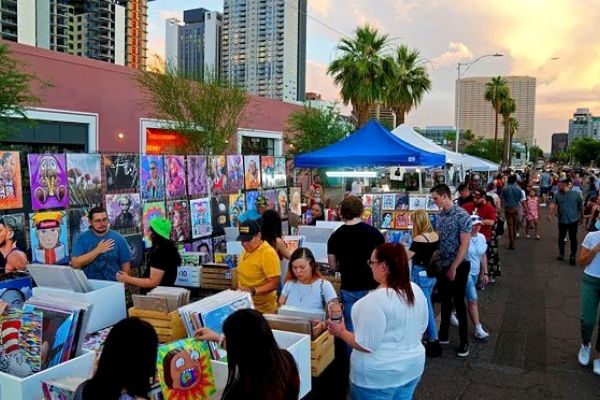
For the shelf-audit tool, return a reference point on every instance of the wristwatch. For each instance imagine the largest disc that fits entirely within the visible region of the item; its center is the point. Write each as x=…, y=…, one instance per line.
x=253, y=292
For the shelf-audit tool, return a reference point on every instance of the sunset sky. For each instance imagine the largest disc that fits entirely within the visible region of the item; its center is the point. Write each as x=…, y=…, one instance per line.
x=528, y=32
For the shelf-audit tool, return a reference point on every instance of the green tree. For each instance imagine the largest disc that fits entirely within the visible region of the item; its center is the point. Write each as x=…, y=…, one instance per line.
x=406, y=82
x=507, y=108
x=513, y=128
x=206, y=112
x=535, y=153
x=585, y=150
x=483, y=148
x=496, y=91
x=561, y=157
x=360, y=70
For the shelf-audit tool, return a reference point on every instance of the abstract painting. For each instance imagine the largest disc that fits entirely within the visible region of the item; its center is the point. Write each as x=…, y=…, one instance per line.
x=11, y=194
x=197, y=178
x=84, y=174
x=150, y=211
x=175, y=176
x=124, y=210
x=121, y=172
x=235, y=173
x=48, y=181
x=252, y=172
x=49, y=237
x=179, y=215
x=217, y=173
x=153, y=180
x=201, y=217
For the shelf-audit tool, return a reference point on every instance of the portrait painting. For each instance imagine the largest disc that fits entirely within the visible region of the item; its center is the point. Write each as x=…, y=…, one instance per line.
x=235, y=173
x=295, y=200
x=197, y=177
x=204, y=246
x=85, y=182
x=219, y=244
x=179, y=215
x=217, y=174
x=121, y=172
x=201, y=217
x=389, y=202
x=280, y=175
x=267, y=166
x=402, y=201
x=251, y=197
x=271, y=196
x=136, y=246
x=175, y=176
x=11, y=193
x=48, y=181
x=417, y=203
x=252, y=172
x=153, y=180
x=124, y=210
x=237, y=206
x=282, y=203
x=49, y=237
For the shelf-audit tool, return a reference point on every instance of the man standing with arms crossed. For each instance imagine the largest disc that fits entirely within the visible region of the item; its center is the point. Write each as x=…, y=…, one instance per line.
x=567, y=205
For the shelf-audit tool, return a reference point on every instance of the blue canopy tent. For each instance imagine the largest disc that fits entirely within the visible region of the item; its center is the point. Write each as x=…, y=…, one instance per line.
x=370, y=146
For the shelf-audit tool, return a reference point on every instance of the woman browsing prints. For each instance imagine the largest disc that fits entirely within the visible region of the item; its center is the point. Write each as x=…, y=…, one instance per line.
x=163, y=262
x=270, y=231
x=388, y=357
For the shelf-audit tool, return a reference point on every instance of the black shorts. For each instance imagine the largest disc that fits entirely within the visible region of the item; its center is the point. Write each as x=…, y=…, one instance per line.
x=544, y=190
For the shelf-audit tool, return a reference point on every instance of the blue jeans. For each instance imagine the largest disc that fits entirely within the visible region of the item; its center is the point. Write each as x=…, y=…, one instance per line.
x=404, y=392
x=348, y=299
x=419, y=277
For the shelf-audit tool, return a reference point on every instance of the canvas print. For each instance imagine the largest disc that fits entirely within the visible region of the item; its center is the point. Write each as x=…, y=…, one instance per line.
x=389, y=202
x=179, y=214
x=201, y=217
x=267, y=166
x=387, y=220
x=237, y=206
x=11, y=194
x=367, y=200
x=121, y=172
x=175, y=176
x=203, y=246
x=197, y=178
x=15, y=289
x=49, y=237
x=21, y=338
x=251, y=197
x=430, y=204
x=124, y=210
x=402, y=201
x=252, y=172
x=220, y=214
x=271, y=196
x=367, y=215
x=84, y=174
x=184, y=370
x=136, y=246
x=153, y=180
x=150, y=211
x=402, y=220
x=78, y=222
x=219, y=244
x=295, y=199
x=235, y=173
x=48, y=181
x=377, y=208
x=282, y=203
x=404, y=237
x=15, y=244
x=217, y=174
x=417, y=203
x=280, y=175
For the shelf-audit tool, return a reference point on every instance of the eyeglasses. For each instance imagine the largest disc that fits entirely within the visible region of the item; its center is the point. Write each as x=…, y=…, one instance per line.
x=371, y=262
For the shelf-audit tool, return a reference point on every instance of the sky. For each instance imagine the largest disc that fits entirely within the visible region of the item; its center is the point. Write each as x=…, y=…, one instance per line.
x=555, y=41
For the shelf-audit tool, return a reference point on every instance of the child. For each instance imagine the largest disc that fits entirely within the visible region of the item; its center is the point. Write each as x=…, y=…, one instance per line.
x=532, y=213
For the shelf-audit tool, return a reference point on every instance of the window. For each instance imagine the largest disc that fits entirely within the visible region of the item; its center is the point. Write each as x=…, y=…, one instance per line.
x=260, y=146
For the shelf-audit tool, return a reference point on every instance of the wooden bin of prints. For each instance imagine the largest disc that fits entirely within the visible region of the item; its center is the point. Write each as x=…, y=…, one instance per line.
x=322, y=353
x=168, y=326
x=218, y=276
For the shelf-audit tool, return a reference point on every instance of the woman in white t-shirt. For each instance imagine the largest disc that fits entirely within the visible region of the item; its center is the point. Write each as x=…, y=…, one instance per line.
x=590, y=296
x=478, y=260
x=388, y=357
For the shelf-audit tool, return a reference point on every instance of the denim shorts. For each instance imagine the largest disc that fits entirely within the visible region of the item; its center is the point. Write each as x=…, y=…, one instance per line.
x=471, y=289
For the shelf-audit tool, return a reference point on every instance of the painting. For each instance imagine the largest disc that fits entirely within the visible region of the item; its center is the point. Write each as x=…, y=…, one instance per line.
x=402, y=220
x=175, y=176
x=78, y=222
x=282, y=203
x=402, y=201
x=203, y=246
x=403, y=237
x=280, y=175
x=220, y=214
x=179, y=215
x=48, y=181
x=217, y=174
x=136, y=246
x=150, y=211
x=11, y=194
x=153, y=180
x=295, y=199
x=197, y=178
x=15, y=289
x=49, y=237
x=219, y=244
x=237, y=206
x=251, y=197
x=267, y=167
x=367, y=200
x=430, y=204
x=377, y=208
x=235, y=173
x=387, y=220
x=367, y=215
x=121, y=172
x=124, y=210
x=271, y=196
x=184, y=370
x=252, y=172
x=417, y=203
x=21, y=331
x=433, y=218
x=389, y=202
x=84, y=175
x=201, y=217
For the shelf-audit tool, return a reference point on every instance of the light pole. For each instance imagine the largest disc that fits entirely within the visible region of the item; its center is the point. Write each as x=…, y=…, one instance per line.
x=466, y=64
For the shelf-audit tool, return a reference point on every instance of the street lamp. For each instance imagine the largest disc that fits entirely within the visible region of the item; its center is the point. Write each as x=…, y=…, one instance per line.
x=466, y=64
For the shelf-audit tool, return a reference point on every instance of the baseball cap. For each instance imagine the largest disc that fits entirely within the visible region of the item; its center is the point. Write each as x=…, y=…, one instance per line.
x=565, y=180
x=476, y=220
x=262, y=201
x=248, y=229
x=161, y=226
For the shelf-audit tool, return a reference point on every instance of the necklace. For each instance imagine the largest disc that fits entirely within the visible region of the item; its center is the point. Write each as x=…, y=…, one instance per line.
x=304, y=290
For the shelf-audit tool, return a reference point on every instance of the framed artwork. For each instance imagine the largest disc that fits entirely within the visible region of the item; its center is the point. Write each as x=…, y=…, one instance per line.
x=433, y=217
x=267, y=167
x=402, y=220
x=295, y=200
x=179, y=215
x=204, y=246
x=237, y=206
x=150, y=211
x=121, y=171
x=430, y=204
x=11, y=194
x=402, y=201
x=280, y=175
x=124, y=210
x=201, y=217
x=78, y=222
x=282, y=202
x=389, y=202
x=367, y=215
x=49, y=237
x=387, y=220
x=367, y=200
x=136, y=246
x=235, y=173
x=251, y=197
x=271, y=196
x=153, y=179
x=84, y=175
x=377, y=209
x=48, y=181
x=197, y=177
x=175, y=176
x=220, y=214
x=16, y=224
x=252, y=172
x=417, y=203
x=404, y=237
x=217, y=174
x=219, y=244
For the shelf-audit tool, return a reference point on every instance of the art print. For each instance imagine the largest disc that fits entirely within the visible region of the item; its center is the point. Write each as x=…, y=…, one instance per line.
x=49, y=237
x=48, y=181
x=271, y=196
x=15, y=244
x=267, y=167
x=136, y=246
x=377, y=209
x=280, y=175
x=78, y=222
x=235, y=173
x=123, y=210
x=197, y=176
x=389, y=202
x=184, y=370
x=220, y=214
x=417, y=203
x=217, y=174
x=367, y=200
x=295, y=199
x=179, y=215
x=367, y=215
x=204, y=246
x=21, y=332
x=430, y=204
x=15, y=289
x=251, y=197
x=402, y=201
x=252, y=172
x=403, y=237
x=122, y=172
x=11, y=194
x=153, y=180
x=237, y=206
x=85, y=183
x=201, y=217
x=219, y=244
x=387, y=220
x=402, y=220
x=150, y=211
x=175, y=176
x=282, y=202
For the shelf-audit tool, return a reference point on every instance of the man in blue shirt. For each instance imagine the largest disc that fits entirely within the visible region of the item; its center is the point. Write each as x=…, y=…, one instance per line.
x=545, y=185
x=568, y=207
x=101, y=252
x=511, y=198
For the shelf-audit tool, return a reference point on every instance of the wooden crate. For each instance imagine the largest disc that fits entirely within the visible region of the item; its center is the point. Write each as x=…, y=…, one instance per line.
x=218, y=276
x=322, y=353
x=168, y=326
x=336, y=282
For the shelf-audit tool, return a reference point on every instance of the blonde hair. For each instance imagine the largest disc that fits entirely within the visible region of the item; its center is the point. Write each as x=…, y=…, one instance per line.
x=421, y=223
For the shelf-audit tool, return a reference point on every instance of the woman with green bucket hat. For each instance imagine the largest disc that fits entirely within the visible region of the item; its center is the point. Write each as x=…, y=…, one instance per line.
x=163, y=261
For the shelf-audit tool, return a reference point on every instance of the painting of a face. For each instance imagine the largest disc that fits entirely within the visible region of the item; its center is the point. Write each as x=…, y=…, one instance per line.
x=48, y=237
x=185, y=370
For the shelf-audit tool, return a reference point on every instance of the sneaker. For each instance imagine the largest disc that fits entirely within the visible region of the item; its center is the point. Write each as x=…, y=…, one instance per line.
x=453, y=319
x=538, y=237
x=597, y=366
x=481, y=334
x=572, y=260
x=443, y=340
x=584, y=356
x=463, y=350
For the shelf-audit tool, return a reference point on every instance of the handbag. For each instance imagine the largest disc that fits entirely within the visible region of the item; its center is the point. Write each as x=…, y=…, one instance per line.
x=435, y=267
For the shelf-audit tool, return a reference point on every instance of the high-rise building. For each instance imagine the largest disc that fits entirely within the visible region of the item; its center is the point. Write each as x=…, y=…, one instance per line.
x=195, y=47
x=479, y=116
x=264, y=47
x=560, y=142
x=584, y=124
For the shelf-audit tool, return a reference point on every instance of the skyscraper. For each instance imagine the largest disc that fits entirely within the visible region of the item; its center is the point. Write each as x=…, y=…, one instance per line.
x=479, y=116
x=264, y=47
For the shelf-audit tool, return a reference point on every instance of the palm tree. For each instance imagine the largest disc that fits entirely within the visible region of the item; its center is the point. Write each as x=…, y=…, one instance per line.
x=406, y=82
x=513, y=127
x=360, y=70
x=507, y=108
x=496, y=91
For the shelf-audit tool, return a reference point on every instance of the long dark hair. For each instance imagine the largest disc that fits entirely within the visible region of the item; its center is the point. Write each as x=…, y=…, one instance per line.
x=165, y=245
x=270, y=229
x=258, y=369
x=398, y=278
x=127, y=362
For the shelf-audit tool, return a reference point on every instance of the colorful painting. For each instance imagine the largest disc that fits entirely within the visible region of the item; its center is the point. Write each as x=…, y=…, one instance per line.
x=282, y=202
x=84, y=174
x=220, y=214
x=377, y=208
x=402, y=201
x=235, y=173
x=179, y=214
x=404, y=237
x=267, y=167
x=184, y=370
x=21, y=335
x=389, y=202
x=295, y=199
x=271, y=196
x=201, y=217
x=123, y=210
x=122, y=172
x=251, y=197
x=48, y=181
x=219, y=244
x=136, y=246
x=78, y=222
x=367, y=215
x=150, y=211
x=16, y=223
x=417, y=203
x=204, y=246
x=197, y=178
x=15, y=289
x=280, y=175
x=367, y=200
x=49, y=237
x=430, y=204
x=11, y=195
x=387, y=220
x=237, y=206
x=175, y=176
x=153, y=180
x=252, y=172
x=217, y=175
x=402, y=220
